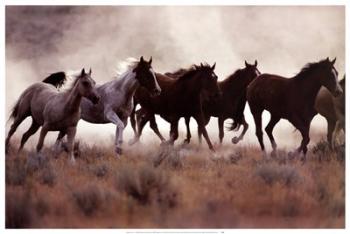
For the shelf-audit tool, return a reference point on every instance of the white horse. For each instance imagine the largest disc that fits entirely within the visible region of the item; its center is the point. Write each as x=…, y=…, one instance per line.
x=116, y=102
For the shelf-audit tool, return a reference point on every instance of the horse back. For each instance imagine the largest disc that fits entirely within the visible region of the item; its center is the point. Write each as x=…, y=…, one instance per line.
x=273, y=93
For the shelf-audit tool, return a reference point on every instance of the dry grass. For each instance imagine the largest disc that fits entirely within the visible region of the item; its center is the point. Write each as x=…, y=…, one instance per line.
x=187, y=188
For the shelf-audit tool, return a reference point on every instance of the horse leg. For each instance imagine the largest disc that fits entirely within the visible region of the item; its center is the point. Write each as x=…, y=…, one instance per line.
x=334, y=134
x=174, y=133
x=133, y=120
x=235, y=140
x=199, y=135
x=201, y=127
x=269, y=128
x=258, y=130
x=14, y=126
x=304, y=127
x=221, y=129
x=58, y=143
x=141, y=120
x=70, y=142
x=113, y=117
x=330, y=129
x=154, y=127
x=188, y=137
x=43, y=133
x=32, y=130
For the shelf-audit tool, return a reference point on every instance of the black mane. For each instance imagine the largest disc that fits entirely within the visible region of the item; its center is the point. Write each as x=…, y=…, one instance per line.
x=56, y=79
x=310, y=67
x=187, y=73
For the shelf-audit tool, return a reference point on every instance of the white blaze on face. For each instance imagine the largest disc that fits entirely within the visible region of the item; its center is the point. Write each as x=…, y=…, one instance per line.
x=155, y=79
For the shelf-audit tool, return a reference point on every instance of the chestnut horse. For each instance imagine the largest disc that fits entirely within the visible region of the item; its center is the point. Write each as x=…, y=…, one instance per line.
x=180, y=97
x=292, y=99
x=333, y=109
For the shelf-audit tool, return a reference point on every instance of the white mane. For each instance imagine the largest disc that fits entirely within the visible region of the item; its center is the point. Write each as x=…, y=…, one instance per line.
x=126, y=66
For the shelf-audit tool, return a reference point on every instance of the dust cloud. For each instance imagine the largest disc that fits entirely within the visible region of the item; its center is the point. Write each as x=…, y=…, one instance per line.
x=45, y=39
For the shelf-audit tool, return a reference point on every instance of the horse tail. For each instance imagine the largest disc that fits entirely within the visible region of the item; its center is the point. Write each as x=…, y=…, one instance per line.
x=14, y=111
x=56, y=79
x=238, y=116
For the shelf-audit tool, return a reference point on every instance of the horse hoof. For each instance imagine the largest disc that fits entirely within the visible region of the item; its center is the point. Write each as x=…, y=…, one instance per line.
x=133, y=141
x=118, y=151
x=235, y=140
x=186, y=141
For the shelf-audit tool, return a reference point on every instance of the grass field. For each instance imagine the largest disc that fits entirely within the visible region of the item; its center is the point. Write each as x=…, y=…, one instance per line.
x=188, y=189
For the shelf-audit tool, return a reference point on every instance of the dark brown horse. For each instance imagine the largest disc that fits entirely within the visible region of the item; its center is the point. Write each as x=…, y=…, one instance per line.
x=292, y=99
x=230, y=105
x=181, y=97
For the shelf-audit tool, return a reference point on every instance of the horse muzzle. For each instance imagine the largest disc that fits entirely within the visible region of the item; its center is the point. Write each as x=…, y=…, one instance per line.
x=338, y=91
x=156, y=92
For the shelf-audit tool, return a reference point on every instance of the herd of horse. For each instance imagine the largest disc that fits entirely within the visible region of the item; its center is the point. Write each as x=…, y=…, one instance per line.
x=192, y=92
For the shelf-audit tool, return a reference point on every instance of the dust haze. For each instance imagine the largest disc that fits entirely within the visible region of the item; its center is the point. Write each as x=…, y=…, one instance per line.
x=45, y=39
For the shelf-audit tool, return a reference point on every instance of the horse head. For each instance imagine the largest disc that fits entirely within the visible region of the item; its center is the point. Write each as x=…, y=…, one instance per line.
x=146, y=76
x=329, y=77
x=86, y=86
x=251, y=70
x=208, y=80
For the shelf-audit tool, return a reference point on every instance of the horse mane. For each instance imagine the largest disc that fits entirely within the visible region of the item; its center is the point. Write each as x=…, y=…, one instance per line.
x=308, y=68
x=126, y=66
x=191, y=70
x=177, y=73
x=57, y=79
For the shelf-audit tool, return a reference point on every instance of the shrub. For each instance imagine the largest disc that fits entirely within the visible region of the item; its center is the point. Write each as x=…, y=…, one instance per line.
x=16, y=172
x=88, y=199
x=18, y=209
x=48, y=176
x=146, y=185
x=272, y=173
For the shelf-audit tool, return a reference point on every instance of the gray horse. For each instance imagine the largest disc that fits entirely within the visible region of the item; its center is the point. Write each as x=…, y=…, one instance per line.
x=53, y=110
x=333, y=109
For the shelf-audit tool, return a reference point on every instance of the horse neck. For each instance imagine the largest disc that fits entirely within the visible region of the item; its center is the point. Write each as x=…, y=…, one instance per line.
x=194, y=83
x=128, y=84
x=309, y=86
x=233, y=85
x=73, y=99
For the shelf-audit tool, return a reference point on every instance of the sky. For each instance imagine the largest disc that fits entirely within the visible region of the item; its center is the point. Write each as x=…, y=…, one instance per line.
x=45, y=39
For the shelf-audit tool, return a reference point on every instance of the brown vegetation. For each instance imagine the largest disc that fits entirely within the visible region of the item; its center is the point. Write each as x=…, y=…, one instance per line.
x=188, y=188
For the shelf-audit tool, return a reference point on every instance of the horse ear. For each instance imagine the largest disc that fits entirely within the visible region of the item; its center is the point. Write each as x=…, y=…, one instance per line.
x=256, y=63
x=90, y=71
x=141, y=59
x=213, y=67
x=201, y=64
x=333, y=61
x=245, y=62
x=150, y=61
x=327, y=59
x=82, y=72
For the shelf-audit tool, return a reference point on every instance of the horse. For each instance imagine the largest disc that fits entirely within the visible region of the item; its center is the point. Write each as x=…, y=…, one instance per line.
x=53, y=110
x=333, y=109
x=292, y=99
x=181, y=97
x=116, y=101
x=230, y=104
